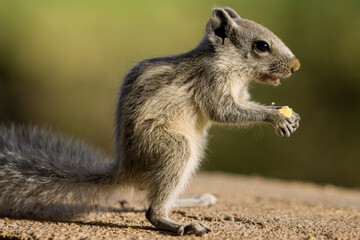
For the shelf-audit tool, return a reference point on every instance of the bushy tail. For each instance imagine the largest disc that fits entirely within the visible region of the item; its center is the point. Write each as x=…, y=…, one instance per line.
x=43, y=175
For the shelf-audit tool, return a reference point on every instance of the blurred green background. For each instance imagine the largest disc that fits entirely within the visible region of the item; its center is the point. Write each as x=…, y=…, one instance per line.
x=61, y=63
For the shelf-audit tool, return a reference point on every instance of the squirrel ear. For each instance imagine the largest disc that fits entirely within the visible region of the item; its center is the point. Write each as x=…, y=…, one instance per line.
x=232, y=13
x=219, y=25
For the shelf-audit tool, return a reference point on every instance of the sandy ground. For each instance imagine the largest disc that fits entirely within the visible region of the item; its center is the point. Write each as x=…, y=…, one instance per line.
x=248, y=208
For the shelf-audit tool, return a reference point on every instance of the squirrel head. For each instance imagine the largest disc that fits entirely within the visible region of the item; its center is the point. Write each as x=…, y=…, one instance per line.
x=244, y=45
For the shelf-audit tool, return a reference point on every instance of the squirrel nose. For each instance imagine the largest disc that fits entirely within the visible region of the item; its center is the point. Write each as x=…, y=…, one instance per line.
x=295, y=65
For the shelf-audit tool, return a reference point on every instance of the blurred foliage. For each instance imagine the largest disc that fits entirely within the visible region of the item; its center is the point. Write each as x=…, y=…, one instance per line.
x=61, y=63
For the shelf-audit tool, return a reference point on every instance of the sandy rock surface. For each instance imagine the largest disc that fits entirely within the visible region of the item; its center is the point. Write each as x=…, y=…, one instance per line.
x=248, y=208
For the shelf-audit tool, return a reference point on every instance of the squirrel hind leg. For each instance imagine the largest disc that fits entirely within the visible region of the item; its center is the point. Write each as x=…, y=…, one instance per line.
x=162, y=195
x=164, y=223
x=203, y=200
x=174, y=166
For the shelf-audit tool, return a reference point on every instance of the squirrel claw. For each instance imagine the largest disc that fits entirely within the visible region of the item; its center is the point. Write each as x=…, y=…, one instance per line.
x=198, y=229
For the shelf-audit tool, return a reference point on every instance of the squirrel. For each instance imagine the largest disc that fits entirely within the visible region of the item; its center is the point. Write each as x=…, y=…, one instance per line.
x=165, y=107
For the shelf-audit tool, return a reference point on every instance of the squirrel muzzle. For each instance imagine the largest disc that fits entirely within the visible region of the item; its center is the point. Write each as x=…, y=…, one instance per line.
x=294, y=65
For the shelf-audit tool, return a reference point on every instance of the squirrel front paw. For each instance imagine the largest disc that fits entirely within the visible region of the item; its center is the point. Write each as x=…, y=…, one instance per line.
x=284, y=126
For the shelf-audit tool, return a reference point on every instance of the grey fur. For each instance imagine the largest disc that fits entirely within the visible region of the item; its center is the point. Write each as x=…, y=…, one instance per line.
x=41, y=173
x=165, y=107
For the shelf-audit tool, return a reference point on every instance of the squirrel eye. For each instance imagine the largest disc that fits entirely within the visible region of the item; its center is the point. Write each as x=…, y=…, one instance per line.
x=262, y=46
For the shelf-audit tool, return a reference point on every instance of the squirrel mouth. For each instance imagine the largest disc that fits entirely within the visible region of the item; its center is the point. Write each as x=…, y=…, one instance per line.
x=271, y=80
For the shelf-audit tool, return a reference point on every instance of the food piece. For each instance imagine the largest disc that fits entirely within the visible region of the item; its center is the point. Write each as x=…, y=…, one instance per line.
x=286, y=111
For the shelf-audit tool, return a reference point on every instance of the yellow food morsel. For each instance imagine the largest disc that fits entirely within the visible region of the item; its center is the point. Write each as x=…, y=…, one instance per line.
x=286, y=111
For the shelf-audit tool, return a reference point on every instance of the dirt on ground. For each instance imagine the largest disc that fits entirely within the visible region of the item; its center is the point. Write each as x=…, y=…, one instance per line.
x=248, y=208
